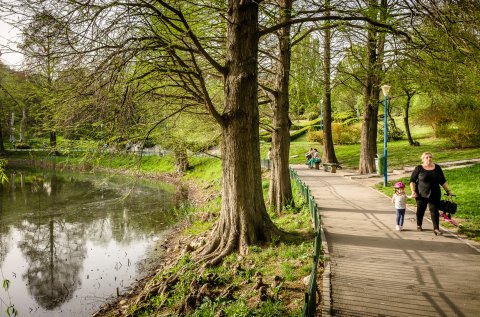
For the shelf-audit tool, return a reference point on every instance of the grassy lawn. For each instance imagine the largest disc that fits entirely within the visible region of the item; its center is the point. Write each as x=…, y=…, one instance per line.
x=400, y=153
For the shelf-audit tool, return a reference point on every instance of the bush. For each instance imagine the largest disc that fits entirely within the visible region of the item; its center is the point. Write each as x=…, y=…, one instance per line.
x=312, y=115
x=342, y=134
x=394, y=133
x=345, y=117
x=300, y=132
x=346, y=134
x=466, y=133
x=23, y=146
x=315, y=136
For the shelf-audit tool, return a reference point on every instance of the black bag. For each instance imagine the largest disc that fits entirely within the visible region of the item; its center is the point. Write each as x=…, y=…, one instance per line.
x=448, y=206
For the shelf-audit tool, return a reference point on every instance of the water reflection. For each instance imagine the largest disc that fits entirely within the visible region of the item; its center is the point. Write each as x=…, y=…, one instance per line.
x=69, y=241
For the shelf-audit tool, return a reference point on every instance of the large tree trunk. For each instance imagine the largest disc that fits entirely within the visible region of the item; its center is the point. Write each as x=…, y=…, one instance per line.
x=328, y=148
x=280, y=191
x=368, y=147
x=375, y=54
x=243, y=219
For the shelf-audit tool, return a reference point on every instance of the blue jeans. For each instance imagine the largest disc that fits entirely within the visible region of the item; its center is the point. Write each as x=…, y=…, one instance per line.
x=400, y=216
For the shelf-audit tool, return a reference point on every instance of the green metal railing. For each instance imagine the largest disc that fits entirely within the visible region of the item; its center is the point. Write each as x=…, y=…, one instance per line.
x=309, y=307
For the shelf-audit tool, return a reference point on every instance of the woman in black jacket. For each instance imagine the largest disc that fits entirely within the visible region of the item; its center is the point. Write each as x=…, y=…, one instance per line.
x=425, y=183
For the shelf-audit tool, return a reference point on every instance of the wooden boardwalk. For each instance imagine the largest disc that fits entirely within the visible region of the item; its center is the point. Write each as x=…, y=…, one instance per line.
x=378, y=271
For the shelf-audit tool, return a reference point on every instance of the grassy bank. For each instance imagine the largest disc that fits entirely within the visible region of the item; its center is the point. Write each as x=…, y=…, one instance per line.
x=400, y=153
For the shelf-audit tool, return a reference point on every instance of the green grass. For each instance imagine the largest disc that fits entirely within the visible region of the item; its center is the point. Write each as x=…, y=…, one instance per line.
x=291, y=260
x=464, y=184
x=400, y=153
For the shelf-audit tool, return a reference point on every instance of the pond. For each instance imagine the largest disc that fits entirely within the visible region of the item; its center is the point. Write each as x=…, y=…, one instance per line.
x=71, y=241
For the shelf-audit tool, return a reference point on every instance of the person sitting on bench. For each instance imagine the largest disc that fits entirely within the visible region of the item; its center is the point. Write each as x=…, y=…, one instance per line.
x=315, y=159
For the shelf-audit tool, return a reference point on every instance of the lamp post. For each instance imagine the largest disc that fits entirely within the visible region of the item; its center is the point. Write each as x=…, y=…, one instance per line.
x=385, y=90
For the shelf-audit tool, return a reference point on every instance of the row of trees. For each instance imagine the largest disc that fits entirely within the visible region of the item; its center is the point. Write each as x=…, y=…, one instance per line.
x=123, y=70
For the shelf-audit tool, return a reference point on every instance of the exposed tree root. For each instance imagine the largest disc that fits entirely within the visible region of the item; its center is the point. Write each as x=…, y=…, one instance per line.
x=222, y=244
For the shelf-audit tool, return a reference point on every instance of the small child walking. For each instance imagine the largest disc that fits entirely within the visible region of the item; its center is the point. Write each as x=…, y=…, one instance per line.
x=399, y=198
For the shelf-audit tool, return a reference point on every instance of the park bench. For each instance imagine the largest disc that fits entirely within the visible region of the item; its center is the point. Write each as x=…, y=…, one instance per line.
x=331, y=167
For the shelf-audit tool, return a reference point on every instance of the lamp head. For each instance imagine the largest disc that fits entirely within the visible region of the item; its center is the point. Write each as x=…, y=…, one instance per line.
x=385, y=90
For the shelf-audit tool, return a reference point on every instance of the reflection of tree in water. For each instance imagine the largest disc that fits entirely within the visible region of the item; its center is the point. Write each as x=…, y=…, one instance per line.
x=58, y=213
x=3, y=230
x=54, y=251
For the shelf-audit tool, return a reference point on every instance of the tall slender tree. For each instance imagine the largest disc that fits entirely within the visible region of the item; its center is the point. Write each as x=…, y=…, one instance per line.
x=328, y=155
x=280, y=191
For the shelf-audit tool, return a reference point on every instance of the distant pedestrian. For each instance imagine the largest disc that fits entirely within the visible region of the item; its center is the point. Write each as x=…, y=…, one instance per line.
x=269, y=154
x=425, y=184
x=399, y=198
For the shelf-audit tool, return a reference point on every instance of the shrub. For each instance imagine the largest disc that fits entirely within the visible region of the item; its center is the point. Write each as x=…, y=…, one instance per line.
x=315, y=136
x=300, y=132
x=346, y=117
x=394, y=133
x=342, y=134
x=23, y=146
x=466, y=133
x=312, y=115
x=346, y=134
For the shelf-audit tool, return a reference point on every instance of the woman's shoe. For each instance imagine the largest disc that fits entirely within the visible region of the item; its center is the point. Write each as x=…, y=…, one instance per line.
x=437, y=232
x=419, y=228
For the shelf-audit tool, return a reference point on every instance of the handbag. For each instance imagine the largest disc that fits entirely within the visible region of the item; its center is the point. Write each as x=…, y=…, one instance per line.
x=448, y=205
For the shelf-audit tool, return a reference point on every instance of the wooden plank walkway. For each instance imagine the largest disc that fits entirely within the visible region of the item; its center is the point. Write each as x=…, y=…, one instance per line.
x=378, y=271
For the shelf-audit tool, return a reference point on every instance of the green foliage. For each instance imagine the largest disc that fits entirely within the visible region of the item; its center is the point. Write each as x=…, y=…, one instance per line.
x=342, y=132
x=346, y=133
x=315, y=136
x=3, y=176
x=306, y=69
x=466, y=130
x=300, y=132
x=312, y=115
x=346, y=117
x=394, y=133
x=11, y=310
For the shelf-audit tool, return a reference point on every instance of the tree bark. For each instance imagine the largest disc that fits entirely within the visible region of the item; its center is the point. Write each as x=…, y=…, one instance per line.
x=328, y=155
x=280, y=190
x=243, y=218
x=53, y=138
x=181, y=160
x=2, y=146
x=375, y=52
x=368, y=147
x=405, y=118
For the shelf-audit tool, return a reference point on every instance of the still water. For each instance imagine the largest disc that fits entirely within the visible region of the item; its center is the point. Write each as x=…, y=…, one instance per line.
x=69, y=241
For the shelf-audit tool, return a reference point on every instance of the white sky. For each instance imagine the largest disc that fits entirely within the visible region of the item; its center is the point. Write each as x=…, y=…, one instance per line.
x=7, y=35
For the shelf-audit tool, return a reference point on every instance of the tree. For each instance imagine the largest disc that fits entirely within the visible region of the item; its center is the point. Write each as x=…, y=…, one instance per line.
x=40, y=47
x=328, y=149
x=166, y=35
x=280, y=190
